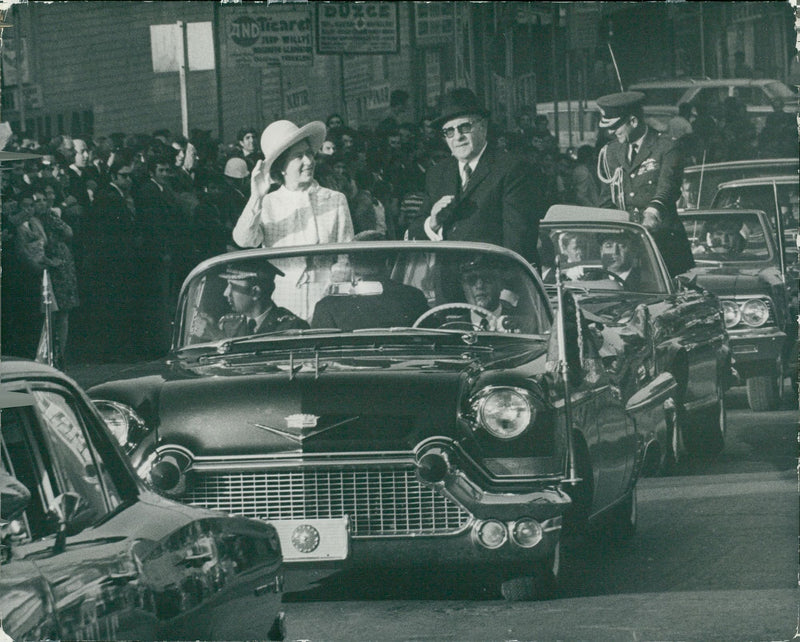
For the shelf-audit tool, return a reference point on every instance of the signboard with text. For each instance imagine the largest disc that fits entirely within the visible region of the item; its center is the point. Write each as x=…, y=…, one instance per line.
x=259, y=35
x=357, y=28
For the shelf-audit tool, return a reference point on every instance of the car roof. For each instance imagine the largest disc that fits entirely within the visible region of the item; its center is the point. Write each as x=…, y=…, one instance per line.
x=783, y=179
x=744, y=164
x=716, y=212
x=577, y=213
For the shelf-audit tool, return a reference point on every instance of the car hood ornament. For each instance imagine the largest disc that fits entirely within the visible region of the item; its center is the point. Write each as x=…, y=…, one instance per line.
x=300, y=426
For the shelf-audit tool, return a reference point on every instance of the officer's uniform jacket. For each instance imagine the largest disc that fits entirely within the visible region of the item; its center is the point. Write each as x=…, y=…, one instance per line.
x=280, y=319
x=652, y=179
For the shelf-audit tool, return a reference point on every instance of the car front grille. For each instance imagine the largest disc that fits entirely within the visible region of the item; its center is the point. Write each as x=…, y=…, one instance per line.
x=381, y=501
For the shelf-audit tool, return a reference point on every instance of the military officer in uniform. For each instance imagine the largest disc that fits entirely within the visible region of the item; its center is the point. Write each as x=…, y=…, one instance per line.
x=249, y=295
x=641, y=172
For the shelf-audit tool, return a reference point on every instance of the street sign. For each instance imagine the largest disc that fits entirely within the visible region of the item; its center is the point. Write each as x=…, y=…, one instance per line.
x=357, y=28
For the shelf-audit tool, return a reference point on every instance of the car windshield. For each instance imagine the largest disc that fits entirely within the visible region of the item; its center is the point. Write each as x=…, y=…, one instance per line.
x=727, y=237
x=763, y=197
x=603, y=257
x=361, y=287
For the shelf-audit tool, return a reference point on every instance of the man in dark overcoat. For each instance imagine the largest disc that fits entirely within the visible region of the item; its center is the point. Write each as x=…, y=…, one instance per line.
x=479, y=194
x=641, y=171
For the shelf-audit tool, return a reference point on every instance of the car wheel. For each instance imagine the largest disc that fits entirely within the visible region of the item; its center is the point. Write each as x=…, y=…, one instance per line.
x=765, y=392
x=625, y=517
x=542, y=585
x=706, y=435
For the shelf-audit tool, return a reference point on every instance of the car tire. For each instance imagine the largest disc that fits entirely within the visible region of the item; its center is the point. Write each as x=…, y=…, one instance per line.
x=706, y=435
x=624, y=517
x=765, y=392
x=542, y=585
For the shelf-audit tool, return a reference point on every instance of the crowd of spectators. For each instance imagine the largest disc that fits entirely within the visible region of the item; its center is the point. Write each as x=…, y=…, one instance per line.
x=120, y=220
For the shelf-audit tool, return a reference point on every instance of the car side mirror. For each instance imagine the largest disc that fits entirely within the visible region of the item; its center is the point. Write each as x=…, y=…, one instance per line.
x=684, y=282
x=65, y=507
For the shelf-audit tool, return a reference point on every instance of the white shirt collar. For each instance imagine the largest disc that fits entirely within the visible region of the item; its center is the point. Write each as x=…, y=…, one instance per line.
x=472, y=163
x=639, y=141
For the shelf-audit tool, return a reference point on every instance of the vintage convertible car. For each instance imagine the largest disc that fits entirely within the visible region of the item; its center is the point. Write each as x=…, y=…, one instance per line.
x=403, y=403
x=737, y=258
x=666, y=325
x=88, y=553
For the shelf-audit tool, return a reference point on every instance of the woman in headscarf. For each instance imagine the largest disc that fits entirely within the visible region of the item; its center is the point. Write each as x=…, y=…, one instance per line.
x=288, y=207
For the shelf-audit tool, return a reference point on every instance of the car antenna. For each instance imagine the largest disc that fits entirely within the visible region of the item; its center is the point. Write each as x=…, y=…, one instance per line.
x=572, y=474
x=700, y=186
x=613, y=57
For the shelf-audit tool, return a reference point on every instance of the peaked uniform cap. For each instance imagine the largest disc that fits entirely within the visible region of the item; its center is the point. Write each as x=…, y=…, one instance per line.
x=261, y=272
x=614, y=107
x=282, y=134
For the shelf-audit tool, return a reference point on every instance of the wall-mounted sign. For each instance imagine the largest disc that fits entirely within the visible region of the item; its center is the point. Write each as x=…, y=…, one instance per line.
x=297, y=99
x=433, y=22
x=259, y=35
x=357, y=28
x=378, y=97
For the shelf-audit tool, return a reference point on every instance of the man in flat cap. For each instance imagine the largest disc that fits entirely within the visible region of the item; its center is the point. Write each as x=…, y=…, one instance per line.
x=641, y=172
x=479, y=194
x=249, y=295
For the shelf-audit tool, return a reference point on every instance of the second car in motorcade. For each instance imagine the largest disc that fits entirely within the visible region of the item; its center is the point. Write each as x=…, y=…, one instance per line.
x=666, y=325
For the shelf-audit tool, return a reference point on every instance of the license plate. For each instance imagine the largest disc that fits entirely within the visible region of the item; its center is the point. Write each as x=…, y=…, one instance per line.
x=314, y=540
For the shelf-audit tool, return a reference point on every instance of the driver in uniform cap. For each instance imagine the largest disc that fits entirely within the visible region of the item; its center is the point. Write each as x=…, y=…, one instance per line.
x=249, y=295
x=641, y=172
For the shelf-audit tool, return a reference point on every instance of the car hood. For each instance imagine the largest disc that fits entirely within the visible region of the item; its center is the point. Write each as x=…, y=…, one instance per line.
x=320, y=400
x=733, y=281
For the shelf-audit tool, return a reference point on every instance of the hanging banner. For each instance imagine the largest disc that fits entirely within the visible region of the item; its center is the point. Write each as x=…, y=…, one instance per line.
x=255, y=36
x=357, y=28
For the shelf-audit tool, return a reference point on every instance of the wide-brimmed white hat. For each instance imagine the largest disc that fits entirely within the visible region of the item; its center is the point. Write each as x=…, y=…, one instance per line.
x=282, y=134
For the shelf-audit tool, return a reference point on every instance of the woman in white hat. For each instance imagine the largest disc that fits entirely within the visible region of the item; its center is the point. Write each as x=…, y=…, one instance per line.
x=298, y=212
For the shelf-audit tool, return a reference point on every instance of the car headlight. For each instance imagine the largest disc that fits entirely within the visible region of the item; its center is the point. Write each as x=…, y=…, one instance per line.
x=505, y=412
x=755, y=312
x=730, y=313
x=123, y=422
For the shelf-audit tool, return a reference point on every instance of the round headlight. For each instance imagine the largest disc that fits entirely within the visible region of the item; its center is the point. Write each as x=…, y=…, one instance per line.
x=126, y=426
x=116, y=419
x=730, y=313
x=526, y=533
x=491, y=534
x=505, y=412
x=755, y=313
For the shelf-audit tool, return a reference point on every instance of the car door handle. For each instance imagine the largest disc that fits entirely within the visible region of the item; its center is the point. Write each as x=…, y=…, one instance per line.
x=191, y=559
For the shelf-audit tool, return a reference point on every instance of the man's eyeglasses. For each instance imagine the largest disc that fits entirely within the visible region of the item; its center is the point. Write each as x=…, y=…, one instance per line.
x=463, y=128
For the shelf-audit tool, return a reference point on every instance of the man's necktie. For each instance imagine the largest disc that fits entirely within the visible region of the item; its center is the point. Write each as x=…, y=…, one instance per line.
x=632, y=149
x=467, y=175
x=251, y=325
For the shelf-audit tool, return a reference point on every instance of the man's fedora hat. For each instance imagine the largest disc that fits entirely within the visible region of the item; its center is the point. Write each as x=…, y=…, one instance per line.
x=615, y=107
x=459, y=102
x=282, y=134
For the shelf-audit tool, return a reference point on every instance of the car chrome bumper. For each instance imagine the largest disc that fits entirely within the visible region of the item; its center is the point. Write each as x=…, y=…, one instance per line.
x=756, y=350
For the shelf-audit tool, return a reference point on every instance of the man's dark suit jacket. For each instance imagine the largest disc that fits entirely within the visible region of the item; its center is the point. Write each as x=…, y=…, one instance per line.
x=502, y=203
x=398, y=305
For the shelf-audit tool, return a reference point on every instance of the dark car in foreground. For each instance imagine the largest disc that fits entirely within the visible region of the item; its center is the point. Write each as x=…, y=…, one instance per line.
x=648, y=324
x=737, y=258
x=87, y=553
x=415, y=414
